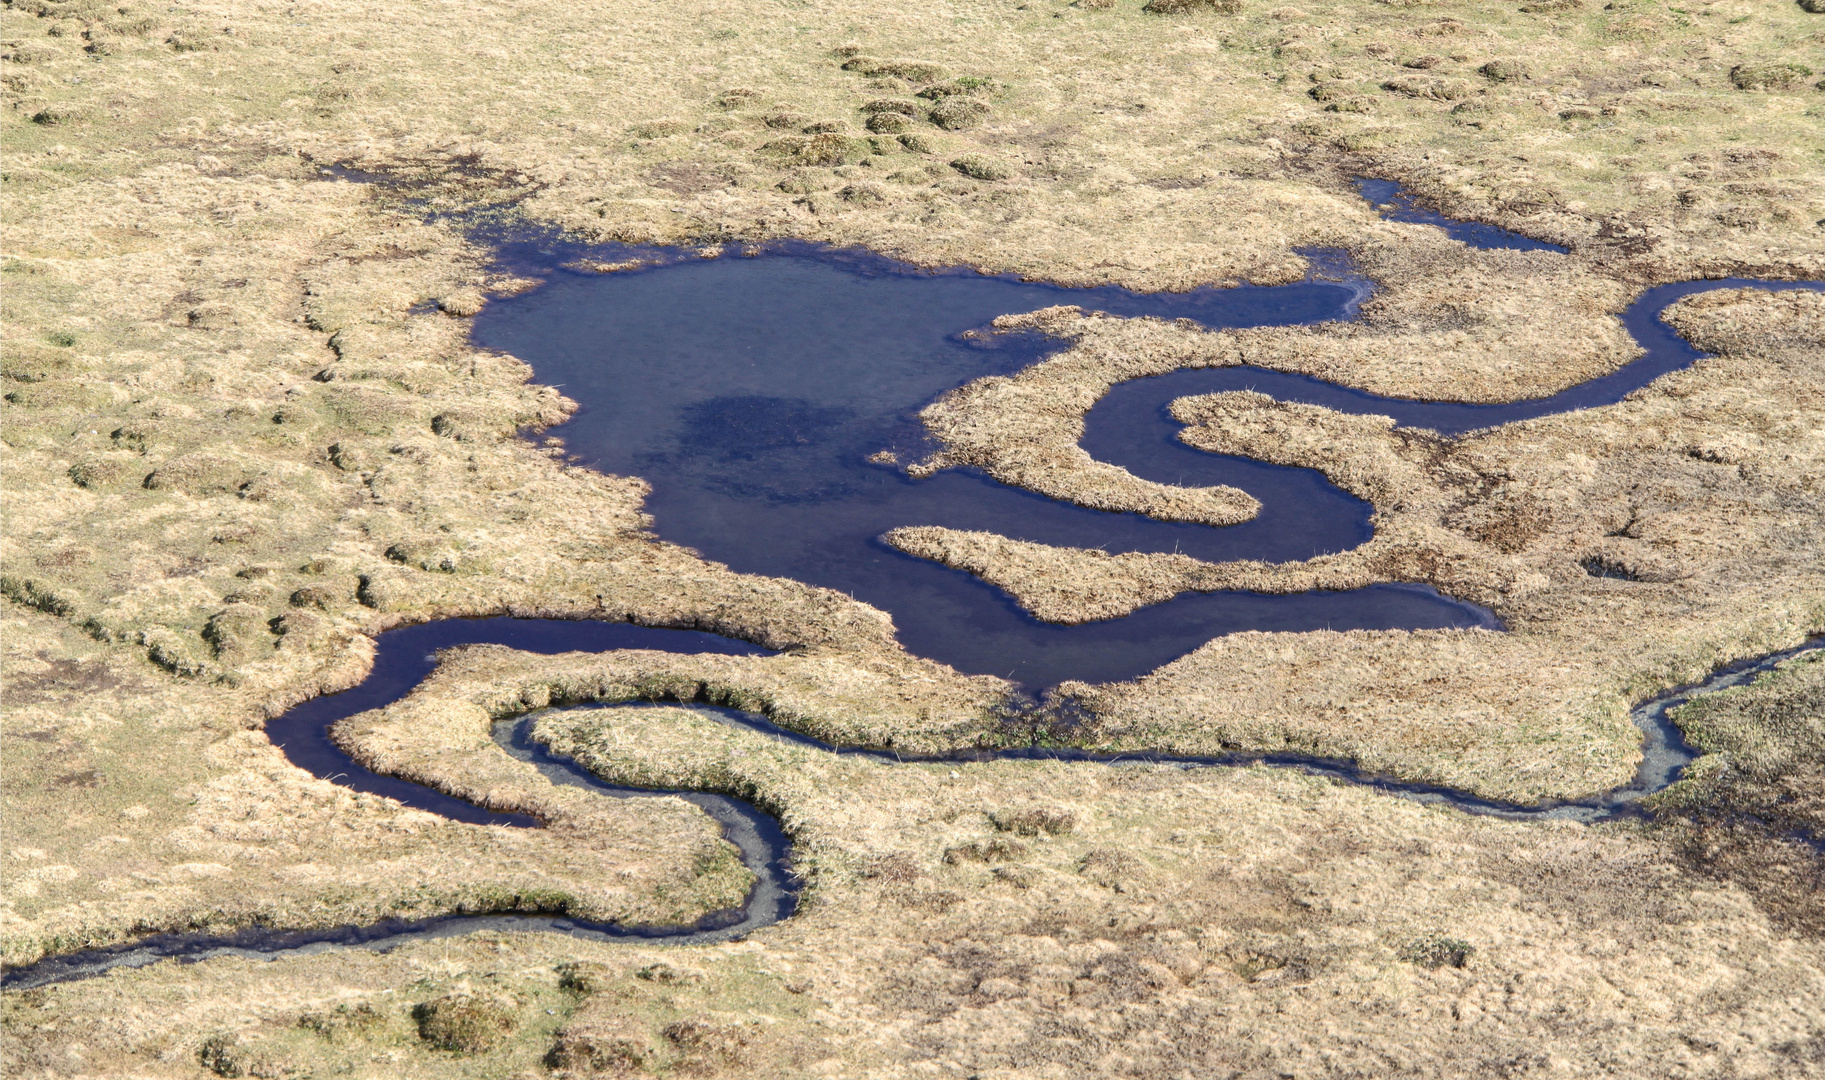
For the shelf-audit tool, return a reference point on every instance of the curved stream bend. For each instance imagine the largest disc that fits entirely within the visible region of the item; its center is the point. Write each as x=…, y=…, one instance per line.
x=402, y=661
x=405, y=656
x=764, y=398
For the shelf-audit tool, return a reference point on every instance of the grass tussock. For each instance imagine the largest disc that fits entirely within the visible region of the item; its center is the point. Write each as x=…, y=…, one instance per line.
x=1186, y=7
x=1776, y=75
x=958, y=113
x=1437, y=950
x=978, y=167
x=466, y=1022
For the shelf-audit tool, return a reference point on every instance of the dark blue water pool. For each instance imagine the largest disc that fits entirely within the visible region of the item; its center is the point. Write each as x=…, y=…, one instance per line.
x=751, y=391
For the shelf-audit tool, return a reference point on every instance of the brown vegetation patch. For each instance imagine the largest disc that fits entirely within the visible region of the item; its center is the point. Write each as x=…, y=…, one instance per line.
x=200, y=474
x=601, y=1043
x=466, y=1022
x=1183, y=7
x=913, y=71
x=59, y=676
x=992, y=851
x=1032, y=821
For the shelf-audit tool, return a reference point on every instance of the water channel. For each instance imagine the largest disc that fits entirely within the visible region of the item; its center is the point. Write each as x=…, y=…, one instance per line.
x=750, y=391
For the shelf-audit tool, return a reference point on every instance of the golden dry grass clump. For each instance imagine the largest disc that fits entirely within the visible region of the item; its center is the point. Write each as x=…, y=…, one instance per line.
x=465, y=1022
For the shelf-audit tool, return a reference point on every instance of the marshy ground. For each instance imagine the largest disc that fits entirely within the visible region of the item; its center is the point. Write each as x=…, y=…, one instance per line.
x=246, y=427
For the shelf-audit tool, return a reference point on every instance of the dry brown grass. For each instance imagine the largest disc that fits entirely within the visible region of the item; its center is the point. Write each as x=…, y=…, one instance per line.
x=1695, y=487
x=1179, y=913
x=188, y=295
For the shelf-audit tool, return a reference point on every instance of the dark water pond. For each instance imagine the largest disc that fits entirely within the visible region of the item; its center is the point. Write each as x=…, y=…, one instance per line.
x=750, y=392
x=783, y=428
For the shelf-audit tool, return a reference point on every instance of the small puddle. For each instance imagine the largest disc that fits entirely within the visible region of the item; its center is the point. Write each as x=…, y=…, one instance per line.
x=1396, y=205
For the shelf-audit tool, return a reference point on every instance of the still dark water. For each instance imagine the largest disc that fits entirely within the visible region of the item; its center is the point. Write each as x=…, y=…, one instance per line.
x=750, y=391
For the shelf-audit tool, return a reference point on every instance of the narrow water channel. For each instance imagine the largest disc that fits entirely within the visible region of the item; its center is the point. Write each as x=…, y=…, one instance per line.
x=764, y=845
x=751, y=391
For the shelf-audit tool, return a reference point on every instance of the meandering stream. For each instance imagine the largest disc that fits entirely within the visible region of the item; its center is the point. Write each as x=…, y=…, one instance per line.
x=751, y=391
x=402, y=661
